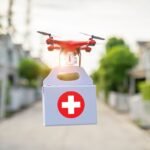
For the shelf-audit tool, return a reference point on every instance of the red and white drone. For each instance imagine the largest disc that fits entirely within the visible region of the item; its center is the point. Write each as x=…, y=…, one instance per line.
x=69, y=45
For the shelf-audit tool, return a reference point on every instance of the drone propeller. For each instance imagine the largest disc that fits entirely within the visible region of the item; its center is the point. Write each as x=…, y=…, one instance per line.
x=49, y=34
x=44, y=33
x=93, y=36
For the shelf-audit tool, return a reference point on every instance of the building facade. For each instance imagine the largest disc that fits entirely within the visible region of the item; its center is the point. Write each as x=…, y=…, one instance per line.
x=141, y=71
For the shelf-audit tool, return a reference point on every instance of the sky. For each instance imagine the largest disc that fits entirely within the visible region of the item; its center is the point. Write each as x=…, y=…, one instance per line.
x=129, y=19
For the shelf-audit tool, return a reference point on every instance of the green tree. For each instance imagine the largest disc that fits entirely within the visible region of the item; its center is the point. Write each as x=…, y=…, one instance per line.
x=44, y=70
x=112, y=73
x=96, y=79
x=115, y=66
x=29, y=69
x=145, y=90
x=114, y=41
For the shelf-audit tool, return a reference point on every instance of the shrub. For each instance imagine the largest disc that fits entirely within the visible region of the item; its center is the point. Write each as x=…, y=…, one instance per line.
x=44, y=70
x=115, y=66
x=114, y=41
x=145, y=90
x=29, y=69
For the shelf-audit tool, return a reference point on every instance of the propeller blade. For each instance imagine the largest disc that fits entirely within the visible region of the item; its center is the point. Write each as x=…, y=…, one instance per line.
x=97, y=37
x=44, y=33
x=85, y=34
x=49, y=34
x=93, y=36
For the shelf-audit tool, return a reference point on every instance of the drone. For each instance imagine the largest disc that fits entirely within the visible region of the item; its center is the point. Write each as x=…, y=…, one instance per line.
x=70, y=45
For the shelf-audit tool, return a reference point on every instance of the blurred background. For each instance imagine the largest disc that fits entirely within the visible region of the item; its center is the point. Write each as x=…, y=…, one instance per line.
x=120, y=68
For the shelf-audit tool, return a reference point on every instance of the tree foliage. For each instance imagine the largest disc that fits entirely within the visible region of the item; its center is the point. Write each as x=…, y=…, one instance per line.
x=145, y=90
x=115, y=66
x=33, y=71
x=29, y=69
x=112, y=73
x=45, y=70
x=114, y=41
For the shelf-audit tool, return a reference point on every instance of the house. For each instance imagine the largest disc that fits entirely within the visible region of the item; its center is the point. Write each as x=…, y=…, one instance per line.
x=10, y=55
x=141, y=71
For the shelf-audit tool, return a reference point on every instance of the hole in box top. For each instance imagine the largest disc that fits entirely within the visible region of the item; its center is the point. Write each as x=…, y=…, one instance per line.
x=68, y=76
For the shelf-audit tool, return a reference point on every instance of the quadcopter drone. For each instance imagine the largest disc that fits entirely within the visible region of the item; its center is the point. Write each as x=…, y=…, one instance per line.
x=71, y=46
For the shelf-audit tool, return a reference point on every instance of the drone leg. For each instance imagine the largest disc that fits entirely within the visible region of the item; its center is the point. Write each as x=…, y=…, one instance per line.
x=59, y=57
x=79, y=54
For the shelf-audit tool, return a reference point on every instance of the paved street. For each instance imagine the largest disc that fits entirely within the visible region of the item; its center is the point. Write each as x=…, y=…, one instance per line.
x=24, y=131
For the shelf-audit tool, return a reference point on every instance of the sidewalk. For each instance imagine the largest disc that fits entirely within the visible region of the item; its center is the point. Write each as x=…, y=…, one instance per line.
x=25, y=131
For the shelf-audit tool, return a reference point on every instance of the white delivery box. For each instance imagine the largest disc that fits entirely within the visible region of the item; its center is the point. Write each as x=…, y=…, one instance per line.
x=69, y=102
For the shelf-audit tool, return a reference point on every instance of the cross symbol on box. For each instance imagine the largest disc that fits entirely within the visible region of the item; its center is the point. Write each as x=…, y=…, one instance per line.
x=71, y=104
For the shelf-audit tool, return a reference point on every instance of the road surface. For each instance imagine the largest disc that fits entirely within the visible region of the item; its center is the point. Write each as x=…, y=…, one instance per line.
x=25, y=131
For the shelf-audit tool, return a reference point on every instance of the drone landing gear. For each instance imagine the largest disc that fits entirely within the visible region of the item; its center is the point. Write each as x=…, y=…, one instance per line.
x=69, y=58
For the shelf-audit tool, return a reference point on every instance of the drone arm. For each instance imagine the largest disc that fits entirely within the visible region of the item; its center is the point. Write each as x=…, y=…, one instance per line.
x=52, y=41
x=86, y=48
x=52, y=47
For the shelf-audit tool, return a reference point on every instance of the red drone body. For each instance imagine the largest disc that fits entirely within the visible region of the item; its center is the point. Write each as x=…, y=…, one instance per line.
x=70, y=46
